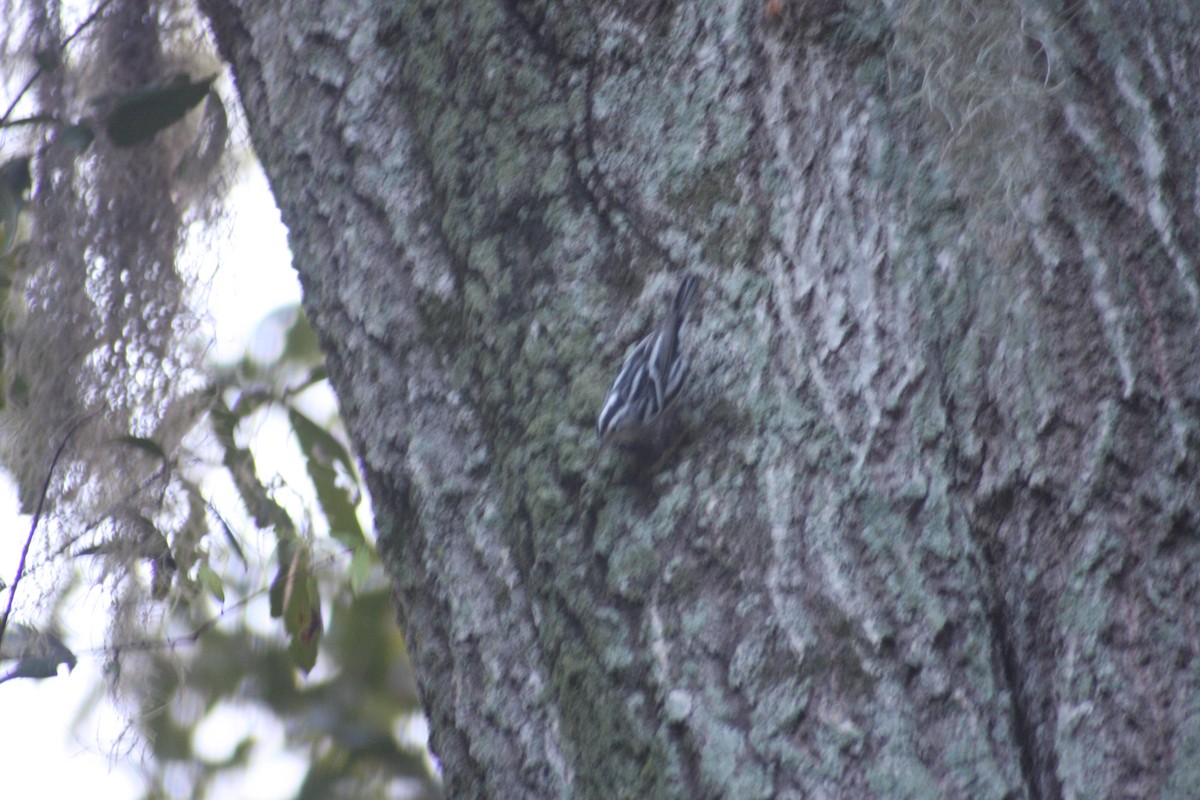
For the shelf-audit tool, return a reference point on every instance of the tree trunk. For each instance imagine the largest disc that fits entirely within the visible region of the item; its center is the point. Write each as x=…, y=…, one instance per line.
x=930, y=526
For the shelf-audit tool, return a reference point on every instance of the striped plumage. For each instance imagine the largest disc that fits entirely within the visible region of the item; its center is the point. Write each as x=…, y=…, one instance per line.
x=651, y=377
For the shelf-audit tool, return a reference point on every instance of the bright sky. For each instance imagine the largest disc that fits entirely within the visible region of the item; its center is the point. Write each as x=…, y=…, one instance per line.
x=44, y=755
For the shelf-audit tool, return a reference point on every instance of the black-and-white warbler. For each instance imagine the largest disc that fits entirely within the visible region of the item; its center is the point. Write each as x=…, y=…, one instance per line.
x=651, y=377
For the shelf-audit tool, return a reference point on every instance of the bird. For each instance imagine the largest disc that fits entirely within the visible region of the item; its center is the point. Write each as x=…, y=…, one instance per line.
x=651, y=377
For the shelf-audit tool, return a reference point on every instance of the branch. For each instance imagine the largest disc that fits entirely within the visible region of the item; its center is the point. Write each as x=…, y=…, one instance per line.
x=37, y=73
x=201, y=629
x=36, y=119
x=37, y=517
x=190, y=638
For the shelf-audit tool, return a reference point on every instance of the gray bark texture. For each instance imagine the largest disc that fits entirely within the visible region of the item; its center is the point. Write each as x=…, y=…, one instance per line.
x=931, y=525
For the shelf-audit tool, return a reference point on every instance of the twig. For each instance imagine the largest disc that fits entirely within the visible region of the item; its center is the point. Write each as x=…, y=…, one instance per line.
x=36, y=119
x=37, y=73
x=37, y=517
x=190, y=638
x=201, y=629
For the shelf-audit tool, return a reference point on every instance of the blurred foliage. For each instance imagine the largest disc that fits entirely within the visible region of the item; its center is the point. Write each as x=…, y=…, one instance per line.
x=345, y=724
x=348, y=721
x=345, y=695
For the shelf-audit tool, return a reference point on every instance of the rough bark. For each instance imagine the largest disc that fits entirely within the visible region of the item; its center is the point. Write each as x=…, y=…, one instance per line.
x=932, y=527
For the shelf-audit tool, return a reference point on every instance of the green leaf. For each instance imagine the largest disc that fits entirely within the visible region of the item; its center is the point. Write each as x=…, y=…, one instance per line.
x=139, y=114
x=230, y=537
x=292, y=557
x=48, y=58
x=297, y=606
x=36, y=667
x=360, y=569
x=37, y=653
x=77, y=137
x=275, y=594
x=301, y=344
x=295, y=598
x=315, y=375
x=211, y=582
x=240, y=463
x=303, y=653
x=146, y=445
x=15, y=180
x=321, y=450
x=139, y=538
x=15, y=176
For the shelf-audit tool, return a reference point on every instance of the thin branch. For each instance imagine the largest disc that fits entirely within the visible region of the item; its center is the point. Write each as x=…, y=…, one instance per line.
x=201, y=629
x=190, y=638
x=91, y=18
x=107, y=514
x=37, y=518
x=37, y=73
x=36, y=119
x=156, y=644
